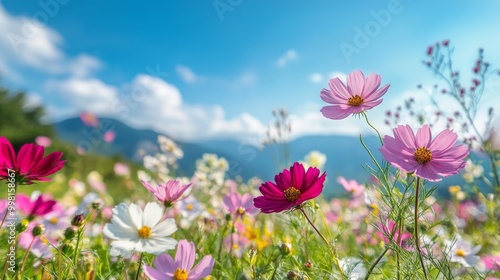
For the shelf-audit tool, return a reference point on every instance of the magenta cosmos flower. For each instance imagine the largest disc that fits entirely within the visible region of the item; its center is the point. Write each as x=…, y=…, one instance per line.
x=166, y=268
x=168, y=193
x=34, y=206
x=360, y=94
x=29, y=164
x=291, y=189
x=428, y=159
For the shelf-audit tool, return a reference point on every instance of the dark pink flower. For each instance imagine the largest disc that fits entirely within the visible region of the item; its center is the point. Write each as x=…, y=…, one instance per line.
x=165, y=267
x=32, y=207
x=29, y=164
x=169, y=193
x=359, y=95
x=420, y=154
x=291, y=189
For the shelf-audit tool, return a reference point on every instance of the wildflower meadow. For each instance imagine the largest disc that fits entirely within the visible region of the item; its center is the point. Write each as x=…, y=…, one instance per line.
x=64, y=217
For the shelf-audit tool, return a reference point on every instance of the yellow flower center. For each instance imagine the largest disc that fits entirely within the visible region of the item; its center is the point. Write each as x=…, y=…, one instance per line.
x=144, y=232
x=180, y=274
x=422, y=155
x=236, y=246
x=190, y=207
x=53, y=220
x=356, y=100
x=460, y=253
x=240, y=210
x=292, y=194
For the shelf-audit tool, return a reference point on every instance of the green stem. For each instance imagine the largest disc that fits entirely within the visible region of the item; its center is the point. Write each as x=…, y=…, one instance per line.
x=139, y=268
x=375, y=263
x=417, y=239
x=26, y=256
x=335, y=259
x=369, y=124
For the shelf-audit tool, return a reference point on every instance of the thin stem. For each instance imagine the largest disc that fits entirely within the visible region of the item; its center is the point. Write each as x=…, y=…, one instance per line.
x=368, y=122
x=26, y=256
x=139, y=268
x=417, y=239
x=375, y=263
x=335, y=259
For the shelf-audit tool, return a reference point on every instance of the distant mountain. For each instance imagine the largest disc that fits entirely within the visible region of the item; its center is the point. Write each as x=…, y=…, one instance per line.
x=345, y=155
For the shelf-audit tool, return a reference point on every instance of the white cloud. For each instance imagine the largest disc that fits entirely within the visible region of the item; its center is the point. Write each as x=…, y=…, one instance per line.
x=287, y=57
x=319, y=77
x=186, y=74
x=29, y=42
x=84, y=94
x=340, y=75
x=83, y=65
x=316, y=78
x=151, y=102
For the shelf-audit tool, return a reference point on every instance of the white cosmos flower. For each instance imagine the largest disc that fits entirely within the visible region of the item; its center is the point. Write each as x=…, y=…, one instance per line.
x=133, y=229
x=461, y=251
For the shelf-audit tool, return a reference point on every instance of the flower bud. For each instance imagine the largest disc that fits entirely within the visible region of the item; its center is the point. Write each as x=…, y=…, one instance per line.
x=22, y=225
x=70, y=232
x=78, y=220
x=286, y=249
x=308, y=265
x=292, y=275
x=38, y=230
x=67, y=248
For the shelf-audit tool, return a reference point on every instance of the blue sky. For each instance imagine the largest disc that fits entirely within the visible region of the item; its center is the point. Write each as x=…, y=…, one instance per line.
x=216, y=69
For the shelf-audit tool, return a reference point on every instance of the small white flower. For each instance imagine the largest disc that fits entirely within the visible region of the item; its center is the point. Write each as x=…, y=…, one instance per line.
x=462, y=252
x=472, y=171
x=169, y=146
x=133, y=229
x=353, y=268
x=316, y=159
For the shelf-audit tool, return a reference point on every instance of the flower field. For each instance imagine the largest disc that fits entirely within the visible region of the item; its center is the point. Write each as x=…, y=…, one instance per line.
x=152, y=223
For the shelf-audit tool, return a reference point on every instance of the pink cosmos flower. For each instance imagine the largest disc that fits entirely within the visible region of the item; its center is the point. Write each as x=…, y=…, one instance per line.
x=34, y=207
x=360, y=94
x=43, y=141
x=29, y=164
x=389, y=230
x=41, y=246
x=427, y=158
x=89, y=119
x=239, y=205
x=109, y=136
x=351, y=186
x=291, y=189
x=492, y=262
x=121, y=169
x=168, y=193
x=166, y=268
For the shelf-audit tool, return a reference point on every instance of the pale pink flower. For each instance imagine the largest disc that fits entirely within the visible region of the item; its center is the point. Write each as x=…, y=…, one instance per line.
x=109, y=136
x=239, y=205
x=166, y=268
x=492, y=262
x=89, y=119
x=351, y=186
x=121, y=169
x=169, y=193
x=43, y=141
x=360, y=94
x=420, y=154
